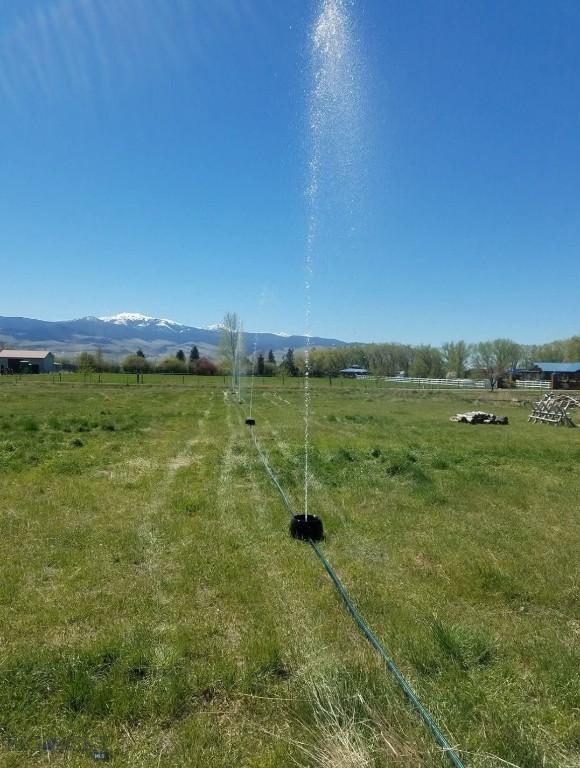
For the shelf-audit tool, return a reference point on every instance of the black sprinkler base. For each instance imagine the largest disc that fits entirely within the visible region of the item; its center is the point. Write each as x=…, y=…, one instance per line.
x=306, y=528
x=251, y=422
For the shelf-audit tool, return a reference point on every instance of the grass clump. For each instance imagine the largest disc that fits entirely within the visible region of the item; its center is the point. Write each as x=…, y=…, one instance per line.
x=405, y=465
x=348, y=729
x=462, y=645
x=122, y=681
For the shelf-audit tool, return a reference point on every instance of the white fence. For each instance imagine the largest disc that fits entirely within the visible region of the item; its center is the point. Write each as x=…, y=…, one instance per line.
x=457, y=383
x=533, y=384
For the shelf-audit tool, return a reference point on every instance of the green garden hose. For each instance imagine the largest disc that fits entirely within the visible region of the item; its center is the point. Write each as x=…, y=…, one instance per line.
x=424, y=713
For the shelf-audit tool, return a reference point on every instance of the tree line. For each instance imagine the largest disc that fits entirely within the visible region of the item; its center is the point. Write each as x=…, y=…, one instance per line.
x=453, y=359
x=490, y=359
x=193, y=362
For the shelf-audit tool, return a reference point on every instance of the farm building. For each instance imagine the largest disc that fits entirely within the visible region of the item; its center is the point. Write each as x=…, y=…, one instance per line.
x=561, y=375
x=354, y=371
x=25, y=361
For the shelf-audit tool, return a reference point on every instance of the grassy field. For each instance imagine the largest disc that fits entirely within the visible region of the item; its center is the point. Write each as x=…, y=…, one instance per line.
x=372, y=384
x=153, y=605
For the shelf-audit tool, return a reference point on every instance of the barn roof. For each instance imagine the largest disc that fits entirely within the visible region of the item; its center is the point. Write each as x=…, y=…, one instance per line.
x=25, y=354
x=559, y=367
x=354, y=369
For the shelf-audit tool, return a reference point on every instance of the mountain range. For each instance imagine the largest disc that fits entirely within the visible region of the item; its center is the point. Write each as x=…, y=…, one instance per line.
x=122, y=334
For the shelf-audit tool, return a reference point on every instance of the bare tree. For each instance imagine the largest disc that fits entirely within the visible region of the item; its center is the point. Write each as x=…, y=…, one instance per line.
x=99, y=360
x=496, y=357
x=229, y=347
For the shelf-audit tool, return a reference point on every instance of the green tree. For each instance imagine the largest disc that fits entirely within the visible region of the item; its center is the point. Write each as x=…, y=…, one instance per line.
x=136, y=364
x=260, y=364
x=271, y=358
x=194, y=354
x=86, y=362
x=140, y=353
x=455, y=355
x=553, y=352
x=99, y=360
x=288, y=363
x=572, y=349
x=172, y=364
x=426, y=363
x=180, y=355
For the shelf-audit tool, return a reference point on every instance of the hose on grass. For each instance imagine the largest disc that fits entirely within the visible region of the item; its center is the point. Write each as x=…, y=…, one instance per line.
x=423, y=712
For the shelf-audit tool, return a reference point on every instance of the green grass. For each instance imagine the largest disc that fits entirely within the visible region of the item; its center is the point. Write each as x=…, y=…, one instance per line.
x=152, y=603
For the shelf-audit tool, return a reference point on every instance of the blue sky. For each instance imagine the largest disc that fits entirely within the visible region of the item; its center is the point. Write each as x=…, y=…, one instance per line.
x=154, y=158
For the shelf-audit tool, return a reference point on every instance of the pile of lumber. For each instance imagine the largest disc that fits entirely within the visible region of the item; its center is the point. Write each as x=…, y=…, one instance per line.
x=479, y=417
x=555, y=409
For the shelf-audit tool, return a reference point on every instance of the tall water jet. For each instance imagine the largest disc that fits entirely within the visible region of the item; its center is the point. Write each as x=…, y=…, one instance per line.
x=334, y=137
x=250, y=421
x=238, y=360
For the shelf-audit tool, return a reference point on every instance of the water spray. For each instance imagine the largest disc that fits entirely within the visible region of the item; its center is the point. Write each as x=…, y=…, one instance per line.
x=238, y=361
x=332, y=117
x=251, y=422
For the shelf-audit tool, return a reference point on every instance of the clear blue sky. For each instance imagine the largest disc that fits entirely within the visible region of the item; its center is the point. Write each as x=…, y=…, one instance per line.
x=153, y=158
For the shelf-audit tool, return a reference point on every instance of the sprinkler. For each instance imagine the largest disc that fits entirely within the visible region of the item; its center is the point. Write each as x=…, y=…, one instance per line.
x=306, y=527
x=251, y=422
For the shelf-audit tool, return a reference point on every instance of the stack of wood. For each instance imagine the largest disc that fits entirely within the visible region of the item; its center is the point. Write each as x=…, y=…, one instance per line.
x=479, y=417
x=554, y=408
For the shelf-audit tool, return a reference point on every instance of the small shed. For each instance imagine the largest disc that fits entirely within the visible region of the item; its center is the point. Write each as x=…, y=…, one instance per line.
x=25, y=361
x=354, y=372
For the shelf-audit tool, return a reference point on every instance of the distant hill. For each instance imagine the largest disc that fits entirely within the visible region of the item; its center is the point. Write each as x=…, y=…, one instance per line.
x=122, y=334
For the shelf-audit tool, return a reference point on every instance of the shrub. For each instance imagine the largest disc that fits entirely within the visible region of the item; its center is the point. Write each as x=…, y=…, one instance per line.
x=135, y=364
x=171, y=364
x=462, y=645
x=206, y=367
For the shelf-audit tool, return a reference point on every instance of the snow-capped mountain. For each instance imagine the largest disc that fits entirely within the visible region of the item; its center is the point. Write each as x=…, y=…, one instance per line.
x=123, y=333
x=219, y=326
x=139, y=320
